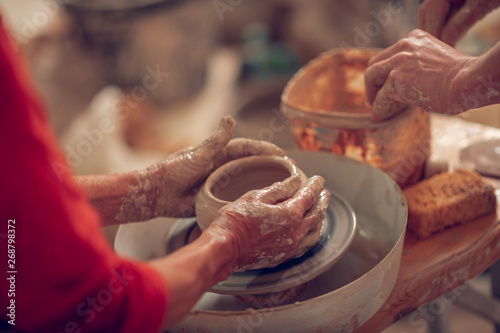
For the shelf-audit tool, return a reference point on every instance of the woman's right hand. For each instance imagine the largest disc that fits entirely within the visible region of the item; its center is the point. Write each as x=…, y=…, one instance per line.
x=269, y=226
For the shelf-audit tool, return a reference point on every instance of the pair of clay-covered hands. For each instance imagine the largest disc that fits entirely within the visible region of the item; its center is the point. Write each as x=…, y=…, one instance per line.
x=302, y=206
x=425, y=70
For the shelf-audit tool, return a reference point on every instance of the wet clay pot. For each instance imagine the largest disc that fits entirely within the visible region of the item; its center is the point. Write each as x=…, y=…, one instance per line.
x=233, y=179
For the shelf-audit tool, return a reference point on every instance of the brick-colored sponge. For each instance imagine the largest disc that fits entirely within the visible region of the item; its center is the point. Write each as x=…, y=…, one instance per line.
x=447, y=199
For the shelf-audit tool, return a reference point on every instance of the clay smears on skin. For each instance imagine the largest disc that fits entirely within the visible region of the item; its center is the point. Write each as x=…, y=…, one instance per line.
x=267, y=208
x=492, y=93
x=263, y=260
x=135, y=204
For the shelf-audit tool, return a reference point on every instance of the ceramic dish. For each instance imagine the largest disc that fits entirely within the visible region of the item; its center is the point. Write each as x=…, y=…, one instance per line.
x=336, y=239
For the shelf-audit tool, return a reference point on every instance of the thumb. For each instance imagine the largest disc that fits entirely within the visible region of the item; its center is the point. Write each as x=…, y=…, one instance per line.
x=215, y=142
x=199, y=161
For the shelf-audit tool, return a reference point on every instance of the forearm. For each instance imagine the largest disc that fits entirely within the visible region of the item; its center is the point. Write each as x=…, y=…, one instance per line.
x=478, y=85
x=119, y=198
x=194, y=269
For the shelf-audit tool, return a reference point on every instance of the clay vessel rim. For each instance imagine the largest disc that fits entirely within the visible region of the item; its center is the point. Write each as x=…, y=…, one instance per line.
x=244, y=161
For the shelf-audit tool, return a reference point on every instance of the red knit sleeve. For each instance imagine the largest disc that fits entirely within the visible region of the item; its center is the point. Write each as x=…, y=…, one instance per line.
x=66, y=276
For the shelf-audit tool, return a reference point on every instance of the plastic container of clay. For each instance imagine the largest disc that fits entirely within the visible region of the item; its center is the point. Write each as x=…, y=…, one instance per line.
x=326, y=108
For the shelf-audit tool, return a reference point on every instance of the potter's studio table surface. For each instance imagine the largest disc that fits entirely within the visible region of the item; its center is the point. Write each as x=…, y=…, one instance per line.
x=433, y=267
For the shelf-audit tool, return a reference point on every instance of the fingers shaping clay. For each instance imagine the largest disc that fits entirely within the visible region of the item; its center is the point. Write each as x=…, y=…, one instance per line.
x=235, y=178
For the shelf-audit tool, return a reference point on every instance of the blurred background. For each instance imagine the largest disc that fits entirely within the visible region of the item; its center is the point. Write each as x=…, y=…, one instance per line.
x=163, y=72
x=127, y=82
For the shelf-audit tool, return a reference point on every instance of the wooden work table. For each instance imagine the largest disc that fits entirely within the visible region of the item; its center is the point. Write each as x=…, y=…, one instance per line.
x=444, y=262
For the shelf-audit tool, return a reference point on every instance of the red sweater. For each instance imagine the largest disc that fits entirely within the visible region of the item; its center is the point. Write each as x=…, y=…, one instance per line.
x=65, y=276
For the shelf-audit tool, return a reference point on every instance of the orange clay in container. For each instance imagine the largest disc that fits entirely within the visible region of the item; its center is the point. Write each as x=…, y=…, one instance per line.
x=325, y=105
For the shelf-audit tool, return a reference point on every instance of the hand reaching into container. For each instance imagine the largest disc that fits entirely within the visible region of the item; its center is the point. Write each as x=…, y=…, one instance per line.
x=272, y=225
x=449, y=20
x=421, y=70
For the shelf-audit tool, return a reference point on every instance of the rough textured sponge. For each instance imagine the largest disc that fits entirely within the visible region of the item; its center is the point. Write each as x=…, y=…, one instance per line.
x=447, y=199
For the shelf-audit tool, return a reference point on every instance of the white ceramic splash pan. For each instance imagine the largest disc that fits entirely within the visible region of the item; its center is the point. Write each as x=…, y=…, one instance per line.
x=339, y=300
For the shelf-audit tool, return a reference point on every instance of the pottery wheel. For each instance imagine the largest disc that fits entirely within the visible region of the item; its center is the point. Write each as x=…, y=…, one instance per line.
x=343, y=297
x=339, y=233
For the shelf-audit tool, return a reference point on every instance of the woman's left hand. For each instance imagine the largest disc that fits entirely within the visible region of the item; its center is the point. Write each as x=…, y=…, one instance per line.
x=176, y=180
